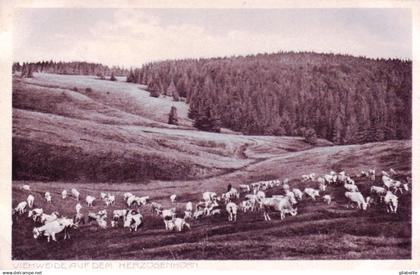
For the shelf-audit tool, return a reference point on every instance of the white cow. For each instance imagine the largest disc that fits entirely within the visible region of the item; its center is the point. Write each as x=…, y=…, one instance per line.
x=30, y=199
x=173, y=198
x=327, y=199
x=64, y=194
x=90, y=200
x=178, y=224
x=391, y=202
x=356, y=197
x=20, y=208
x=282, y=205
x=75, y=193
x=168, y=215
x=313, y=193
x=232, y=210
x=50, y=229
x=133, y=220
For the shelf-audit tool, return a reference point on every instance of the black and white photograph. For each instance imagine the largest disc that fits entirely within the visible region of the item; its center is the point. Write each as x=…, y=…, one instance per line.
x=211, y=134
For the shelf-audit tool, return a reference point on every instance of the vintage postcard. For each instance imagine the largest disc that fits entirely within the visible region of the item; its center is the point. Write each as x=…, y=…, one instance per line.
x=201, y=133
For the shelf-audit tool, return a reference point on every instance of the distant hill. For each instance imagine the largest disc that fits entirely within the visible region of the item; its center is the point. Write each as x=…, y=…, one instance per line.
x=346, y=99
x=71, y=68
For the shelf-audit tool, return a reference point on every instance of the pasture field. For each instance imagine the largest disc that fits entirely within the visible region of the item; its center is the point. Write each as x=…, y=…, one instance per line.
x=114, y=138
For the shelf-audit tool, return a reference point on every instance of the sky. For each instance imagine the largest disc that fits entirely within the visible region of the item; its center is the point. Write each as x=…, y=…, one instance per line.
x=132, y=37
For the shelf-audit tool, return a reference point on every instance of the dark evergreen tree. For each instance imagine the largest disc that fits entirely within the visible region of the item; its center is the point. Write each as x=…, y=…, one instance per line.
x=173, y=116
x=112, y=77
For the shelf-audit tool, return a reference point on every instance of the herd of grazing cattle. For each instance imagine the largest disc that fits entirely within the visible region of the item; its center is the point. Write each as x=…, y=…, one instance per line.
x=253, y=199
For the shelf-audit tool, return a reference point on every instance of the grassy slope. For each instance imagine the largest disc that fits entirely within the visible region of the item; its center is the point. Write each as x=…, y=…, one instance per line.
x=85, y=136
x=101, y=139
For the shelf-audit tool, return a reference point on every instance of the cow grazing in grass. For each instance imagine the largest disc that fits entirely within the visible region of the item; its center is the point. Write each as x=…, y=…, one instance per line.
x=20, y=208
x=52, y=228
x=391, y=202
x=178, y=224
x=232, y=210
x=356, y=197
x=90, y=200
x=312, y=193
x=75, y=193
x=282, y=205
